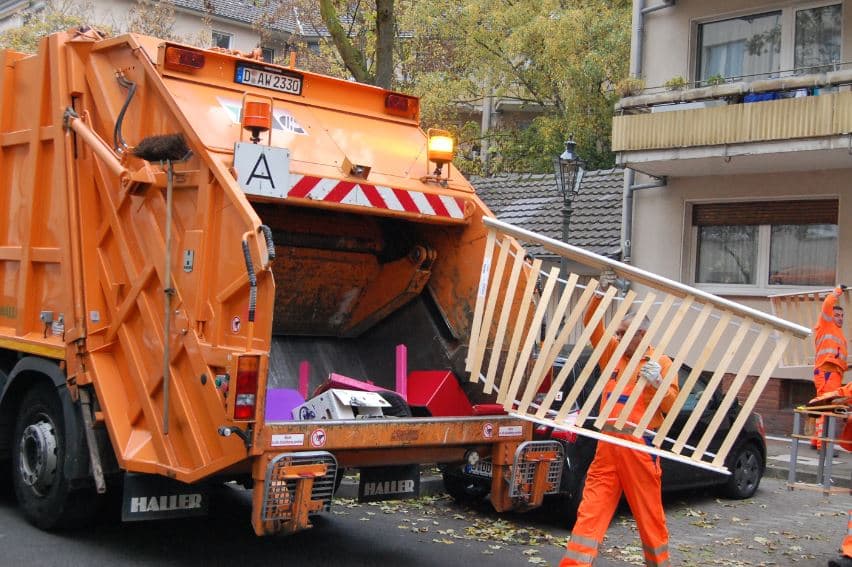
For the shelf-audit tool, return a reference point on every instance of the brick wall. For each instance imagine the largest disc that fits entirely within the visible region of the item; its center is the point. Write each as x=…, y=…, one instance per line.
x=776, y=403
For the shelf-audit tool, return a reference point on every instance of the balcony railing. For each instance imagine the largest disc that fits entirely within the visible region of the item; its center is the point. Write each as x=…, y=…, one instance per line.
x=725, y=114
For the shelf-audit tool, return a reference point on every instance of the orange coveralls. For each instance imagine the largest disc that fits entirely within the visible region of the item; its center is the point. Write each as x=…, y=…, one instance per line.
x=846, y=443
x=618, y=469
x=830, y=349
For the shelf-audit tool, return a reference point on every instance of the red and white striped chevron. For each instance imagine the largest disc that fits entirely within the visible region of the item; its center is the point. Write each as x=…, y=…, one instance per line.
x=375, y=196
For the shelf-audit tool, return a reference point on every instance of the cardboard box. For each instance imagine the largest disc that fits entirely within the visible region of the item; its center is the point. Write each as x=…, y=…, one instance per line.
x=341, y=404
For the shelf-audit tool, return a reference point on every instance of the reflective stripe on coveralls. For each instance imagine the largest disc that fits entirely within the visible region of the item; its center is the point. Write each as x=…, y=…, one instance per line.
x=831, y=353
x=616, y=470
x=829, y=340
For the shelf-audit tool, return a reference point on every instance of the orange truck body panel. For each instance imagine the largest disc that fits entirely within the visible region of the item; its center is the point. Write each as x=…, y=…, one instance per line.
x=83, y=240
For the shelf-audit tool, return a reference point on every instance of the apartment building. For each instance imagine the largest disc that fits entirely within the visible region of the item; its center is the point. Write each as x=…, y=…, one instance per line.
x=739, y=152
x=230, y=24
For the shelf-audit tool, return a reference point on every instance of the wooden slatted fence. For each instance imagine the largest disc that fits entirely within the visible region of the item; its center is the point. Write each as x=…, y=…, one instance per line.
x=804, y=309
x=510, y=354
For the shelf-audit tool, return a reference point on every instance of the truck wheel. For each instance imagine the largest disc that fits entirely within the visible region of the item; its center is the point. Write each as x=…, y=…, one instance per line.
x=38, y=459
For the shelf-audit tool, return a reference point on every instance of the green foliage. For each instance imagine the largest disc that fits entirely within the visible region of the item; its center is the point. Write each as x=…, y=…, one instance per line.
x=675, y=83
x=153, y=18
x=714, y=80
x=38, y=23
x=562, y=58
x=629, y=86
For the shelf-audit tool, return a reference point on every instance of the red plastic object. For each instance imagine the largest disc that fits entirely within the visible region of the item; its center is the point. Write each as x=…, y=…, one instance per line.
x=437, y=393
x=488, y=409
x=346, y=383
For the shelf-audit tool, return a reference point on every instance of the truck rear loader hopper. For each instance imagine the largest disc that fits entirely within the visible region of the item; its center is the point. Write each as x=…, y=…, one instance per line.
x=147, y=304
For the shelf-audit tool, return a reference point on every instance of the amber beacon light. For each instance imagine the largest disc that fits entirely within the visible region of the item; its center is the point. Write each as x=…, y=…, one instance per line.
x=441, y=148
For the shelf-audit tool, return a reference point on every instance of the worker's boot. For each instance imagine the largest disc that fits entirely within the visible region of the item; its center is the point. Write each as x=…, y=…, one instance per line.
x=840, y=561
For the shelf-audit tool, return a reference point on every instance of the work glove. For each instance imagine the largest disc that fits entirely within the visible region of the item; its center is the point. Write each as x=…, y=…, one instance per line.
x=651, y=372
x=607, y=278
x=826, y=399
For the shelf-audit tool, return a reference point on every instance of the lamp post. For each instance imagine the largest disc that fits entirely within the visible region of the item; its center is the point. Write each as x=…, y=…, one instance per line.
x=569, y=173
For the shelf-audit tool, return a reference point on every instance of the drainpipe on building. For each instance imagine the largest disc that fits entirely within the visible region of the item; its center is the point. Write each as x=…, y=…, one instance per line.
x=637, y=49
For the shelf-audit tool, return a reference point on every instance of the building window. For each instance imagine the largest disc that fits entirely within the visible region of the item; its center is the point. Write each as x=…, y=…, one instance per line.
x=314, y=46
x=765, y=244
x=268, y=54
x=817, y=38
x=795, y=393
x=222, y=39
x=749, y=45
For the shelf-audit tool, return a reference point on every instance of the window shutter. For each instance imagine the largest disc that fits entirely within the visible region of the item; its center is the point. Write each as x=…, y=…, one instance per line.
x=819, y=211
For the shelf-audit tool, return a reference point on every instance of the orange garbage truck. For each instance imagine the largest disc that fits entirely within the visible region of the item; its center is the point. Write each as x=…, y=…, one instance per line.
x=183, y=232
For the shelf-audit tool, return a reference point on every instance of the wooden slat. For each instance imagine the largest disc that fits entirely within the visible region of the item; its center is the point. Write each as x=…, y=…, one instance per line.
x=579, y=346
x=478, y=309
x=733, y=390
x=638, y=355
x=748, y=406
x=712, y=384
x=540, y=369
x=518, y=376
x=687, y=386
x=637, y=275
x=609, y=331
x=532, y=336
x=620, y=347
x=518, y=331
x=659, y=350
x=672, y=374
x=509, y=295
x=491, y=303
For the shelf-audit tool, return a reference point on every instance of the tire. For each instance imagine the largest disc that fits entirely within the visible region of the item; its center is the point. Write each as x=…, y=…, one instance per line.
x=398, y=406
x=38, y=460
x=746, y=466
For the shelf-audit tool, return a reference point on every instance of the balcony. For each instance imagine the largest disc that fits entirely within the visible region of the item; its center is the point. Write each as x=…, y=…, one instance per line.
x=714, y=131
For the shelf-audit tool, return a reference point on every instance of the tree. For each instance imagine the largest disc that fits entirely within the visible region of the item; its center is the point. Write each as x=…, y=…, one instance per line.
x=45, y=19
x=359, y=36
x=563, y=57
x=153, y=18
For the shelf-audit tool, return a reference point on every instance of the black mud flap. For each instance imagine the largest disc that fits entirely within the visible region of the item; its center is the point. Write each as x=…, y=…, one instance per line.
x=389, y=483
x=151, y=497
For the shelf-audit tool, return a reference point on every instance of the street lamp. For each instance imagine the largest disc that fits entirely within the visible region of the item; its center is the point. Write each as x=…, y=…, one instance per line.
x=569, y=173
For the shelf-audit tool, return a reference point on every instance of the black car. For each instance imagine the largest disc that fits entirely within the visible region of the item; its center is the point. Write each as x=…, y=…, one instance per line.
x=746, y=460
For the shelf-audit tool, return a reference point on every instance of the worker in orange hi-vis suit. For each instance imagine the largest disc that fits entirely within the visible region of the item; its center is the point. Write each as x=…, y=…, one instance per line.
x=845, y=557
x=616, y=469
x=830, y=349
x=841, y=396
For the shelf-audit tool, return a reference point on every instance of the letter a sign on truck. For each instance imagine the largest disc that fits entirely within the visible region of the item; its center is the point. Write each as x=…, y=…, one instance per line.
x=262, y=170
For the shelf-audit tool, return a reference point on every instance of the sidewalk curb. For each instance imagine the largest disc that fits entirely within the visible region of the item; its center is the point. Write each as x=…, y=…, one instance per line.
x=806, y=473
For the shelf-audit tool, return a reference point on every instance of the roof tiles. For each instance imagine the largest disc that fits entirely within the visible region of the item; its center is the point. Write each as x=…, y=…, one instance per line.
x=532, y=202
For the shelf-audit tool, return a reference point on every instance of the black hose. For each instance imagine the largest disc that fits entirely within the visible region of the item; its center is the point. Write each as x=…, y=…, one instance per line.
x=270, y=245
x=252, y=281
x=118, y=143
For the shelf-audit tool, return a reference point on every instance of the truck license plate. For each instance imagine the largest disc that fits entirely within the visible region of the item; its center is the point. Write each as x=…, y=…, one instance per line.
x=269, y=78
x=481, y=468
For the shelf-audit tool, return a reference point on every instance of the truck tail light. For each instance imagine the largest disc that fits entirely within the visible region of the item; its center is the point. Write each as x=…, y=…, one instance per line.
x=181, y=59
x=402, y=105
x=245, y=400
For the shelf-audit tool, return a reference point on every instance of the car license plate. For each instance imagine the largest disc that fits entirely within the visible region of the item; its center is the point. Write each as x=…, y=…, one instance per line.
x=269, y=78
x=482, y=468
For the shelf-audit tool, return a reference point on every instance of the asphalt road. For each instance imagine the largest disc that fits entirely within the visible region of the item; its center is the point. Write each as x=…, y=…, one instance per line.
x=776, y=527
